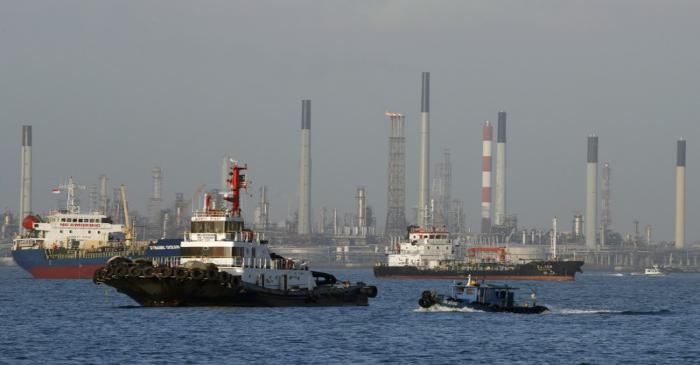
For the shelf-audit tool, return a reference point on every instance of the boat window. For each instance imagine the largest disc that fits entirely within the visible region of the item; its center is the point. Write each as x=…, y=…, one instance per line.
x=207, y=227
x=61, y=231
x=75, y=220
x=63, y=219
x=89, y=231
x=98, y=232
x=206, y=251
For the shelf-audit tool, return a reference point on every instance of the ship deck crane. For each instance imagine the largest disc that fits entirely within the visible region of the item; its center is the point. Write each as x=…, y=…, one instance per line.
x=128, y=236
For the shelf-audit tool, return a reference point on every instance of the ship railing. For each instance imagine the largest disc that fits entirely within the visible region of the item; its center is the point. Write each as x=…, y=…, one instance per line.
x=64, y=253
x=258, y=262
x=210, y=213
x=275, y=264
x=27, y=242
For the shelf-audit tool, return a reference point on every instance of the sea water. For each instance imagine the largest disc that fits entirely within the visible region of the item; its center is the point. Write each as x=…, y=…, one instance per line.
x=598, y=319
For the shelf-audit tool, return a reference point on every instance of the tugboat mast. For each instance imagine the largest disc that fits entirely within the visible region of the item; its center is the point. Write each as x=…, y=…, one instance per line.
x=237, y=182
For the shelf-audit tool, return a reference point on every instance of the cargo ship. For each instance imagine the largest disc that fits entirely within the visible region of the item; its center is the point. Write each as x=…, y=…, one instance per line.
x=225, y=264
x=430, y=254
x=68, y=244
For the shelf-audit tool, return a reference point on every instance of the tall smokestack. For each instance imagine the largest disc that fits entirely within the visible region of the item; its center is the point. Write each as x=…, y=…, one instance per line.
x=591, y=220
x=680, y=194
x=25, y=195
x=304, y=221
x=424, y=167
x=486, y=179
x=361, y=207
x=500, y=208
x=103, y=194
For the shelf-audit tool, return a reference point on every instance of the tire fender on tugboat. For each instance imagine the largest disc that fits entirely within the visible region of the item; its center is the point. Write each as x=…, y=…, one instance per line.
x=196, y=274
x=164, y=272
x=135, y=271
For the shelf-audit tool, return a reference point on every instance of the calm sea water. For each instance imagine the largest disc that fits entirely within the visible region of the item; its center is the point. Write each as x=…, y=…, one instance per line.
x=599, y=319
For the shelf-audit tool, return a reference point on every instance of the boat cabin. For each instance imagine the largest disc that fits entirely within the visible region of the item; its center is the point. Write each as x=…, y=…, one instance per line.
x=473, y=292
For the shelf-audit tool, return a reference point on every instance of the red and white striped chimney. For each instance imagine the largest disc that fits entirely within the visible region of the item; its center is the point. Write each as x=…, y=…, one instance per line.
x=486, y=179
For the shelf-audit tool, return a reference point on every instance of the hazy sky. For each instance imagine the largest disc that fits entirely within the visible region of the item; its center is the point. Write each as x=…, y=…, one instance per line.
x=120, y=87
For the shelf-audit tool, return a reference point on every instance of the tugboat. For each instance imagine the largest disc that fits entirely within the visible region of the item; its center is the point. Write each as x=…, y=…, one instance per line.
x=482, y=297
x=224, y=264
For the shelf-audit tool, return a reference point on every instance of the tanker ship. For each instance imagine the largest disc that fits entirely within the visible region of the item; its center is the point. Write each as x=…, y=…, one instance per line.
x=68, y=244
x=430, y=254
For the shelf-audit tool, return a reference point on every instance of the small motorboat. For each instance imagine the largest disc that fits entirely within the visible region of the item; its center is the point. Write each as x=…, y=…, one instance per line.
x=655, y=270
x=482, y=297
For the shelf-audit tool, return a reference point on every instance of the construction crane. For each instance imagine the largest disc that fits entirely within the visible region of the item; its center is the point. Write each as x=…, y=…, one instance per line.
x=127, y=226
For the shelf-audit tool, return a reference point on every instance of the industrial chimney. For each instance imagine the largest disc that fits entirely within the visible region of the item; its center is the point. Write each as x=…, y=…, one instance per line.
x=304, y=221
x=680, y=194
x=424, y=167
x=500, y=208
x=486, y=179
x=103, y=195
x=591, y=220
x=361, y=207
x=25, y=195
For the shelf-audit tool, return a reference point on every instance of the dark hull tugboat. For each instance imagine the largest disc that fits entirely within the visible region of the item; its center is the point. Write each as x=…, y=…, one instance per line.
x=482, y=297
x=224, y=264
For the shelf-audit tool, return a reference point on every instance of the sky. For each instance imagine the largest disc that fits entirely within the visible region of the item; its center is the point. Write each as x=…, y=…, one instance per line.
x=116, y=88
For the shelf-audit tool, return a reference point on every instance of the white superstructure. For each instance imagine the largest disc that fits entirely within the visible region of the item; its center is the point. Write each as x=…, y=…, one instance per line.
x=69, y=228
x=218, y=236
x=425, y=248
